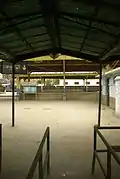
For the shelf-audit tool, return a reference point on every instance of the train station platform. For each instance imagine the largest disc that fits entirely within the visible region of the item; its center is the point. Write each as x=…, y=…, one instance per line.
x=71, y=127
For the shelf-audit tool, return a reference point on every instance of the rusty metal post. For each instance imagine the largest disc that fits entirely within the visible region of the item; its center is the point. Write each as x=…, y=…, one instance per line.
x=94, y=151
x=13, y=95
x=64, y=87
x=48, y=151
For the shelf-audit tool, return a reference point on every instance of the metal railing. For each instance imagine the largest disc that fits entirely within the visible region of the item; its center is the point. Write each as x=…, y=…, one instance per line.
x=42, y=165
x=110, y=150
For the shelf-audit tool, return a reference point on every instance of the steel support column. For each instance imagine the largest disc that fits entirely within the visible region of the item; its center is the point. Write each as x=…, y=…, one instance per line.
x=41, y=85
x=28, y=77
x=100, y=94
x=64, y=87
x=86, y=85
x=94, y=152
x=44, y=81
x=13, y=97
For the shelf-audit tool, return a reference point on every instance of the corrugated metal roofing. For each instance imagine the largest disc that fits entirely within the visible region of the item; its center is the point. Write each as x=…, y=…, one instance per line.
x=82, y=28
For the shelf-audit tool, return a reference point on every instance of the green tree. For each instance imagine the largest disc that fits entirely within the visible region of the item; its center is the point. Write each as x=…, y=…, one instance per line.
x=1, y=88
x=48, y=82
x=55, y=81
x=38, y=81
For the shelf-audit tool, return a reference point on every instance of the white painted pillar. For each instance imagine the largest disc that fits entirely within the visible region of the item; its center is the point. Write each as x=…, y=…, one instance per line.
x=41, y=85
x=104, y=85
x=64, y=87
x=86, y=86
x=117, y=96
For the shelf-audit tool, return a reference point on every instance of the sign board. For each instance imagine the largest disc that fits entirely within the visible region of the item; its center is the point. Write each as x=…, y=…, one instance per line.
x=30, y=89
x=20, y=68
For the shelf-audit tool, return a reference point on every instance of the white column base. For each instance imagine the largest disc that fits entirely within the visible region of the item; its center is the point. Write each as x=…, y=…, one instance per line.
x=64, y=97
x=117, y=97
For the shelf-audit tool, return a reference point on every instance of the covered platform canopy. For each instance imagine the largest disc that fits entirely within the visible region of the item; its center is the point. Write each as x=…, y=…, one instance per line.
x=72, y=64
x=86, y=29
x=82, y=75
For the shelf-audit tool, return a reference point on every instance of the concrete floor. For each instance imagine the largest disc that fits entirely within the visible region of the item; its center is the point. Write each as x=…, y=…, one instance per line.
x=71, y=125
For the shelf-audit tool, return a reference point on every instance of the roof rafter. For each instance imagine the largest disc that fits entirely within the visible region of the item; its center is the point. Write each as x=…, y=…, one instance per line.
x=115, y=46
x=28, y=37
x=62, y=51
x=89, y=45
x=17, y=31
x=15, y=26
x=86, y=25
x=107, y=54
x=64, y=14
x=50, y=11
x=26, y=16
x=6, y=54
x=112, y=58
x=76, y=36
x=89, y=27
x=18, y=23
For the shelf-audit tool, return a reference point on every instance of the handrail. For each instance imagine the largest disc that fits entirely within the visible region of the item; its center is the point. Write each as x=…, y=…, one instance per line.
x=39, y=157
x=111, y=150
x=107, y=127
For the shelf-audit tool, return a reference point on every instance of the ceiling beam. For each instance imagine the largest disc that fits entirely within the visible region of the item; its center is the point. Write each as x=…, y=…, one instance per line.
x=63, y=51
x=112, y=58
x=9, y=27
x=110, y=52
x=79, y=16
x=89, y=27
x=75, y=21
x=50, y=11
x=33, y=54
x=111, y=49
x=17, y=39
x=6, y=54
x=79, y=55
x=68, y=69
x=18, y=31
x=22, y=17
x=81, y=37
x=9, y=20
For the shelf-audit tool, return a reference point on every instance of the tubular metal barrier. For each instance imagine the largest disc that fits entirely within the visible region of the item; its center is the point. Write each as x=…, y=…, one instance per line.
x=42, y=165
x=110, y=150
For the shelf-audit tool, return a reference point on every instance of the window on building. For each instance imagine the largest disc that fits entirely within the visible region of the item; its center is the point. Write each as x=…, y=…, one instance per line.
x=76, y=83
x=87, y=83
x=66, y=83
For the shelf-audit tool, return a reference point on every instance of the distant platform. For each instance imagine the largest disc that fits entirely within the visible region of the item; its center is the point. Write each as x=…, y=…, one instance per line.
x=7, y=94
